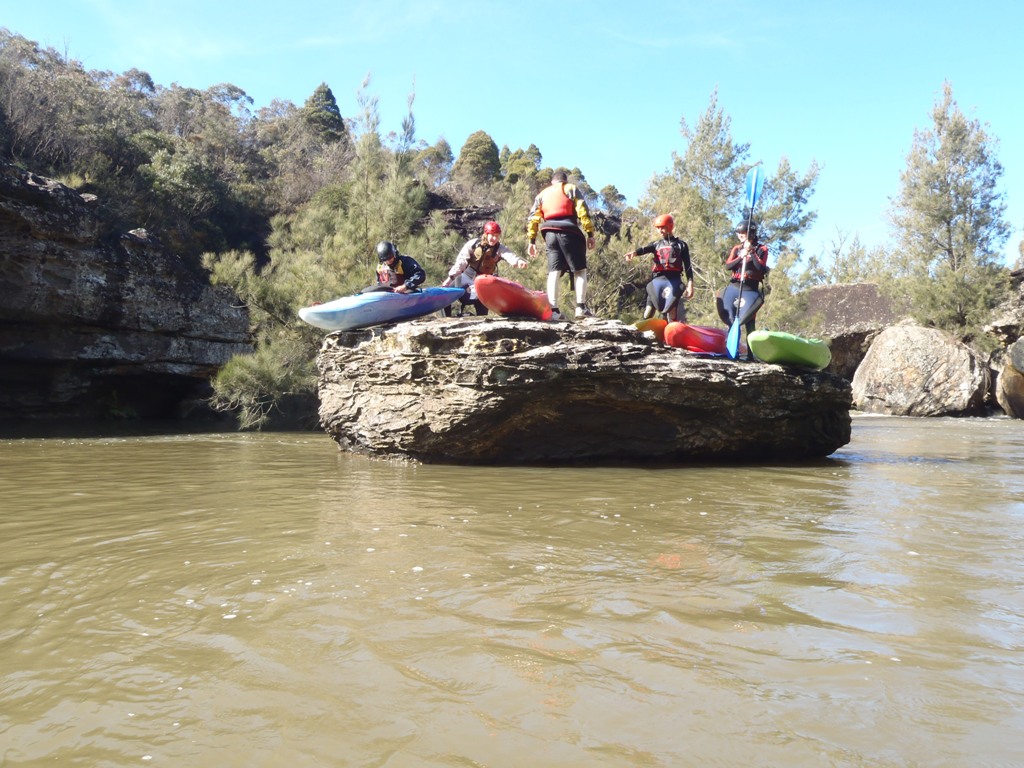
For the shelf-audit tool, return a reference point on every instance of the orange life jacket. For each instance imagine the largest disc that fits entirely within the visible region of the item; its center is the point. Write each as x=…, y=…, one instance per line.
x=555, y=204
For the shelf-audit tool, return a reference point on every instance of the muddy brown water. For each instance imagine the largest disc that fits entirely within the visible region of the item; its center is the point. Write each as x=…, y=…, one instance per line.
x=265, y=600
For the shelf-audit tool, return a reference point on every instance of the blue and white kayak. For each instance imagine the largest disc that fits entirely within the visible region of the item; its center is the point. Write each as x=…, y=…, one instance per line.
x=376, y=308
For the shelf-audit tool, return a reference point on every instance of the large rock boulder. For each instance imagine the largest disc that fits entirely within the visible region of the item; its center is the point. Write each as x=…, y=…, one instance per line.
x=850, y=316
x=95, y=327
x=1010, y=382
x=914, y=371
x=496, y=391
x=1008, y=319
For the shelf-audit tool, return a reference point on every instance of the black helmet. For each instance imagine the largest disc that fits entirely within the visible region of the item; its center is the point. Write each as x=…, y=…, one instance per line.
x=386, y=250
x=747, y=227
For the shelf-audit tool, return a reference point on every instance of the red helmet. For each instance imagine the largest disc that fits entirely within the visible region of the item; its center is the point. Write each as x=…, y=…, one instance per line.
x=665, y=221
x=492, y=228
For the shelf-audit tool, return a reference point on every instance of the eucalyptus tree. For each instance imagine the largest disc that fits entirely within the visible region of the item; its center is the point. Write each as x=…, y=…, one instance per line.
x=612, y=201
x=949, y=220
x=522, y=164
x=434, y=163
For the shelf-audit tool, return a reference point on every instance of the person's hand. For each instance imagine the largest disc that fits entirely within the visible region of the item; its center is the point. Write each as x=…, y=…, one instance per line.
x=630, y=256
x=591, y=243
x=531, y=250
x=522, y=264
x=689, y=290
x=403, y=288
x=447, y=283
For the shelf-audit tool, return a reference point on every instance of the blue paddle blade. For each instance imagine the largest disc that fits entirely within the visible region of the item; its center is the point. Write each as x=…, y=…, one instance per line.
x=754, y=184
x=732, y=341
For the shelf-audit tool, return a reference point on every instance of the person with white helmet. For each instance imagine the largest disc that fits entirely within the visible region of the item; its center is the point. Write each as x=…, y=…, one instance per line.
x=671, y=255
x=479, y=256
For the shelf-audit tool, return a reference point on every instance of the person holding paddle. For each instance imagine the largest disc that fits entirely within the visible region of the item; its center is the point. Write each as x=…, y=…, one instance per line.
x=561, y=215
x=479, y=256
x=671, y=261
x=748, y=262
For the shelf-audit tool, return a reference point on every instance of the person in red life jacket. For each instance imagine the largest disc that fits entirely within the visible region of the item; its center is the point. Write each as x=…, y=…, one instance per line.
x=479, y=256
x=665, y=292
x=748, y=262
x=396, y=271
x=560, y=213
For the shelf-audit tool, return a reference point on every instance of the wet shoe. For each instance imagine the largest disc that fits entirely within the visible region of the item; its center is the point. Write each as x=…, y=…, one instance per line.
x=583, y=312
x=555, y=314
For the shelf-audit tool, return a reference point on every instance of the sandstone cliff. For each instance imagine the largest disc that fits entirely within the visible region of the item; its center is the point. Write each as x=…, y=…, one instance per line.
x=93, y=326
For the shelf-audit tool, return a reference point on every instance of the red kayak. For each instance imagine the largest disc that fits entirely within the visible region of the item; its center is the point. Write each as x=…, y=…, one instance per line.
x=696, y=338
x=509, y=298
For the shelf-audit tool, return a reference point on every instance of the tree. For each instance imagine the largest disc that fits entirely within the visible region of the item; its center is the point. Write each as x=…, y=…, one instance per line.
x=847, y=260
x=949, y=222
x=300, y=162
x=434, y=163
x=478, y=162
x=520, y=164
x=613, y=201
x=589, y=194
x=321, y=114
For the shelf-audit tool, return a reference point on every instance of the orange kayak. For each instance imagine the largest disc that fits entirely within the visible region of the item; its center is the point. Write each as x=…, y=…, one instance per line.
x=509, y=298
x=654, y=324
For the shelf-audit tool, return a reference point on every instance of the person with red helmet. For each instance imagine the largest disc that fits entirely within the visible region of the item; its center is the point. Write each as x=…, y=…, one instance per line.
x=560, y=214
x=671, y=255
x=479, y=256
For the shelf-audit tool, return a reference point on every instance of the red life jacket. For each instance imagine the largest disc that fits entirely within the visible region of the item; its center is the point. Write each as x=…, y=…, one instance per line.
x=388, y=276
x=757, y=264
x=667, y=257
x=555, y=204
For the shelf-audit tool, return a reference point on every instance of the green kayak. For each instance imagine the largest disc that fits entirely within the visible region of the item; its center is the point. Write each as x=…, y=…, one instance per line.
x=787, y=349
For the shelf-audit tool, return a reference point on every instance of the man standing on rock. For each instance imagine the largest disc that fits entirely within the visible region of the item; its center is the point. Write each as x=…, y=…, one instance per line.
x=561, y=214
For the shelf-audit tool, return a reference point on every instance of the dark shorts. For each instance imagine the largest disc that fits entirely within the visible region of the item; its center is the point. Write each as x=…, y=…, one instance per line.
x=567, y=250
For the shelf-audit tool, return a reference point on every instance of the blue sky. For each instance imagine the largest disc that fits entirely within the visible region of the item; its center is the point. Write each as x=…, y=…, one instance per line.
x=603, y=85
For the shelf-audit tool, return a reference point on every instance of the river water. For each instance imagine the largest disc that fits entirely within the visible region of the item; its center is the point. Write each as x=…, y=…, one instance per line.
x=266, y=600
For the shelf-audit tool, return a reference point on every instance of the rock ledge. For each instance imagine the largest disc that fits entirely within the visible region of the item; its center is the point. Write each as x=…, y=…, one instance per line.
x=499, y=391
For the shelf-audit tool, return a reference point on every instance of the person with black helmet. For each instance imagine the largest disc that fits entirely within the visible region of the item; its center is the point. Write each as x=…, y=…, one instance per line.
x=561, y=215
x=748, y=262
x=479, y=256
x=396, y=271
x=665, y=292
